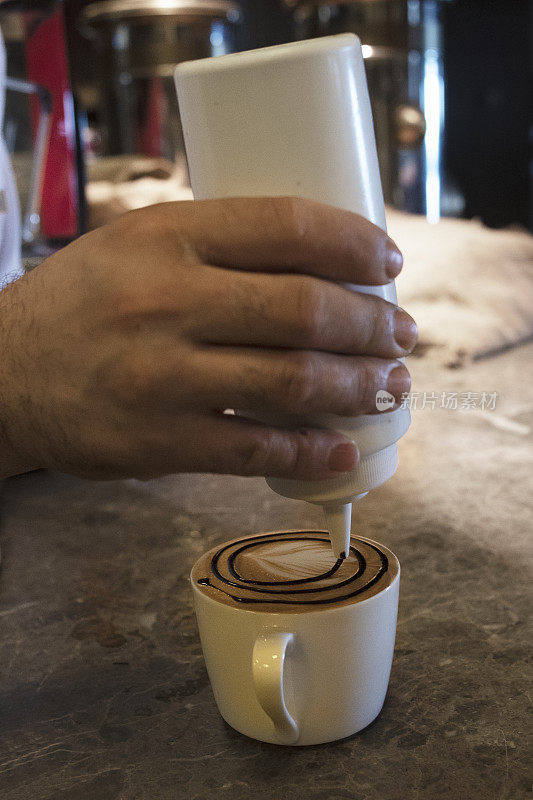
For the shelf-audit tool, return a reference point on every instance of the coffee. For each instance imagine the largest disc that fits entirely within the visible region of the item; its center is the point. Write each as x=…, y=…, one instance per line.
x=293, y=571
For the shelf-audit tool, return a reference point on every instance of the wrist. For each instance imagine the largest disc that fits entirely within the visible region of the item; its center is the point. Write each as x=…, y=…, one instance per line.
x=14, y=456
x=12, y=461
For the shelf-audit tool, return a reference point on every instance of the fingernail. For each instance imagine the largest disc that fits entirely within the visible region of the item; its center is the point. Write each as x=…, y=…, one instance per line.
x=342, y=458
x=405, y=330
x=398, y=382
x=394, y=261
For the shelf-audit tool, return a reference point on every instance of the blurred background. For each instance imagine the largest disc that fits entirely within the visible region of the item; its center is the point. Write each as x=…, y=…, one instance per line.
x=92, y=120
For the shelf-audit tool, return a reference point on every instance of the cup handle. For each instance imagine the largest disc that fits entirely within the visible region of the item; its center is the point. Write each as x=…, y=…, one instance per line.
x=268, y=659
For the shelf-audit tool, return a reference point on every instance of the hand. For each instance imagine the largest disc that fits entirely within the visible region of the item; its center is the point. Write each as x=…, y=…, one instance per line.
x=122, y=350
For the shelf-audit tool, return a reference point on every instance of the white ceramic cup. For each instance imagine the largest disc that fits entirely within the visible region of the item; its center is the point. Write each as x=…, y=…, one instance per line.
x=302, y=677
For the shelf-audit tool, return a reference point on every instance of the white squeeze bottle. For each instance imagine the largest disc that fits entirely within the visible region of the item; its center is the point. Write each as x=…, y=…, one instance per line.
x=295, y=120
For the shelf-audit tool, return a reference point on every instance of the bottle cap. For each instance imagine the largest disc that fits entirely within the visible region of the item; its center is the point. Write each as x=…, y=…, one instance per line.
x=371, y=471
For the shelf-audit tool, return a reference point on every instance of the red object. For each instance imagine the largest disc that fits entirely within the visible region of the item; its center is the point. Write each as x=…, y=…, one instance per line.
x=47, y=65
x=150, y=136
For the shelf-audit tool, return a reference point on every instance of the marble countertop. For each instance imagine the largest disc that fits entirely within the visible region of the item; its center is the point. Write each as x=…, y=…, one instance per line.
x=104, y=693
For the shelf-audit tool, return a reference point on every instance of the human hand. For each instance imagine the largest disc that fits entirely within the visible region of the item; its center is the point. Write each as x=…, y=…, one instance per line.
x=122, y=350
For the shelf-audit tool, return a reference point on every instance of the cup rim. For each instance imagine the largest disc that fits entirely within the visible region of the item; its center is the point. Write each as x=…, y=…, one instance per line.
x=326, y=609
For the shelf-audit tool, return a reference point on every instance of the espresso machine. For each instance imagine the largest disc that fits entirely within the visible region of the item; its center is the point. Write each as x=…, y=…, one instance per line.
x=138, y=43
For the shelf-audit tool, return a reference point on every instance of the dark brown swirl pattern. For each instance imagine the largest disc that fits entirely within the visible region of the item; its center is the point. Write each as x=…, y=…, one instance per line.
x=293, y=570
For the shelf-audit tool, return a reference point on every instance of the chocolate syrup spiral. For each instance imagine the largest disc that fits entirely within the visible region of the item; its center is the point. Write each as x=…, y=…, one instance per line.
x=295, y=568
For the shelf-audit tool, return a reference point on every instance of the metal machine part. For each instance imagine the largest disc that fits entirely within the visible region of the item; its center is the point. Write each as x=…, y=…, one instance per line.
x=403, y=58
x=32, y=216
x=139, y=44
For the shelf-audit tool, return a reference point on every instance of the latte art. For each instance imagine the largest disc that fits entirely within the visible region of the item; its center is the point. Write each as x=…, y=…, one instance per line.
x=292, y=570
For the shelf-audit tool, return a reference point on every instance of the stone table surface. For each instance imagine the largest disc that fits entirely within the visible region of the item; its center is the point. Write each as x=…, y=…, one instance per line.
x=104, y=693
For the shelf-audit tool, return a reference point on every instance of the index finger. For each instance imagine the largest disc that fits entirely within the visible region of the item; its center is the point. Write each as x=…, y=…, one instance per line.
x=291, y=234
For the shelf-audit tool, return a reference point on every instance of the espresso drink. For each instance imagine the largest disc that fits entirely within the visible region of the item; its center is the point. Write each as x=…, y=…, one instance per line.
x=293, y=571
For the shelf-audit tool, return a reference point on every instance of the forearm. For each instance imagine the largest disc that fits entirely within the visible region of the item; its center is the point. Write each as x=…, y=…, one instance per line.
x=14, y=456
x=12, y=462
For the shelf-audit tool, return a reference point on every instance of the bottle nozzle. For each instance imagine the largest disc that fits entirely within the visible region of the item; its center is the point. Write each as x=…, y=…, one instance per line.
x=339, y=521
